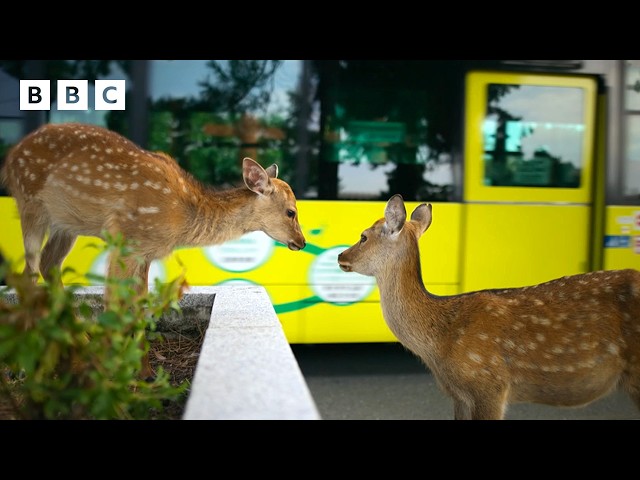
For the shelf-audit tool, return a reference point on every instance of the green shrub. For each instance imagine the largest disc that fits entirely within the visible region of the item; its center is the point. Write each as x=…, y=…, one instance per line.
x=62, y=360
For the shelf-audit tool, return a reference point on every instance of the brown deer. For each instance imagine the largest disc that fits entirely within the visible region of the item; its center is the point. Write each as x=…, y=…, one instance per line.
x=75, y=179
x=566, y=342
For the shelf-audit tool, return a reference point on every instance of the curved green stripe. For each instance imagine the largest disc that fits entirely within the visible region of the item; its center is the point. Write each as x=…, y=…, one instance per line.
x=297, y=305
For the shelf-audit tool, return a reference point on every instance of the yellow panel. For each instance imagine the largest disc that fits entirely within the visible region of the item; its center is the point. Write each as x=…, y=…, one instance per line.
x=509, y=245
x=314, y=299
x=622, y=237
x=476, y=105
x=11, y=236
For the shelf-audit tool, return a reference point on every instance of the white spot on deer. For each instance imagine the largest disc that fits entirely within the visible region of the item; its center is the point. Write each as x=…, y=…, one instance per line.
x=613, y=349
x=538, y=302
x=475, y=357
x=590, y=363
x=509, y=343
x=134, y=186
x=108, y=151
x=558, y=350
x=32, y=176
x=166, y=191
x=21, y=161
x=517, y=325
x=591, y=345
x=532, y=345
x=483, y=336
x=148, y=209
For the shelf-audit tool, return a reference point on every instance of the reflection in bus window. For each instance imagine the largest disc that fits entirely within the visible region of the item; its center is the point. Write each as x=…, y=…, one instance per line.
x=632, y=156
x=209, y=114
x=533, y=136
x=380, y=141
x=631, y=176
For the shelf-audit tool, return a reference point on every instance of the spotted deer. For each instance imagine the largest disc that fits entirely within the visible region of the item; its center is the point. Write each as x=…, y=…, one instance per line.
x=566, y=342
x=75, y=179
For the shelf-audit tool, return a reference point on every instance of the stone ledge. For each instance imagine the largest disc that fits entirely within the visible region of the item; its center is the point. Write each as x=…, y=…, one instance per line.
x=246, y=369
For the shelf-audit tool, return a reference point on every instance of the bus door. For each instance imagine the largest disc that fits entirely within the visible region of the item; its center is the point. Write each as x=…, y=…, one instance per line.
x=620, y=241
x=528, y=178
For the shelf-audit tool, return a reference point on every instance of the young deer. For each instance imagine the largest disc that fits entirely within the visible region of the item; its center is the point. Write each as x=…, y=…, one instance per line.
x=75, y=179
x=566, y=342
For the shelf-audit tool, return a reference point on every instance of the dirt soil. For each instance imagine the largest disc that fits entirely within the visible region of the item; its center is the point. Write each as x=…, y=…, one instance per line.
x=176, y=354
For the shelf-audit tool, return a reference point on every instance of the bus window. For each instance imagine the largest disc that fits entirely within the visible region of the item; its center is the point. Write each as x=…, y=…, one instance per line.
x=533, y=136
x=386, y=149
x=387, y=128
x=632, y=132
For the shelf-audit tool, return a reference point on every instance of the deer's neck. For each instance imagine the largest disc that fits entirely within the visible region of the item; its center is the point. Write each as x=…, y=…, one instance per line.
x=414, y=315
x=214, y=217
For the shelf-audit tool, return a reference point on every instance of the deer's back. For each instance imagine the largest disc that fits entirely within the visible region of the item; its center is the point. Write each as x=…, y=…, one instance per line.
x=80, y=176
x=560, y=342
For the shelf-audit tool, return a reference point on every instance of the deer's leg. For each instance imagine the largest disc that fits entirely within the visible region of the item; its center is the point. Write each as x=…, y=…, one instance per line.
x=489, y=405
x=132, y=267
x=146, y=371
x=55, y=250
x=461, y=411
x=34, y=227
x=631, y=385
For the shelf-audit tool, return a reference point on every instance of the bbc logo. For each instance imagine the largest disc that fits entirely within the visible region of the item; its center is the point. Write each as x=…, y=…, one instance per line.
x=72, y=95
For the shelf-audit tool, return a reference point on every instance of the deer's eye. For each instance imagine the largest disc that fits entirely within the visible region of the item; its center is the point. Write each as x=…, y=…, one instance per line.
x=291, y=213
x=363, y=238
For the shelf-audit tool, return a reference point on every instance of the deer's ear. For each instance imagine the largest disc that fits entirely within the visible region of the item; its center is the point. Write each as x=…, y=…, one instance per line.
x=272, y=171
x=395, y=214
x=422, y=217
x=256, y=178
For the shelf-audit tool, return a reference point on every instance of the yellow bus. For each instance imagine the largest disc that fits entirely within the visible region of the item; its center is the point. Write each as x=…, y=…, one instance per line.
x=532, y=167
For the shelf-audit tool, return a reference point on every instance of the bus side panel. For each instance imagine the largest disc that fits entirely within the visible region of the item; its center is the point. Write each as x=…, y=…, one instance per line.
x=511, y=245
x=621, y=242
x=315, y=300
x=341, y=307
x=11, y=236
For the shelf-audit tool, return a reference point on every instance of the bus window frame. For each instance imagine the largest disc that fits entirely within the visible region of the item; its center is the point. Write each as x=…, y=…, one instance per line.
x=476, y=85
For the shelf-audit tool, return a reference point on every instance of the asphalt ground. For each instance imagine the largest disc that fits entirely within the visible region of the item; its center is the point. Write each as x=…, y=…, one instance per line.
x=384, y=381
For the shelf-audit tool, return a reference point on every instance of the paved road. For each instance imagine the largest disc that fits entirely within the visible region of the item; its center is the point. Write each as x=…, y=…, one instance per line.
x=385, y=382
